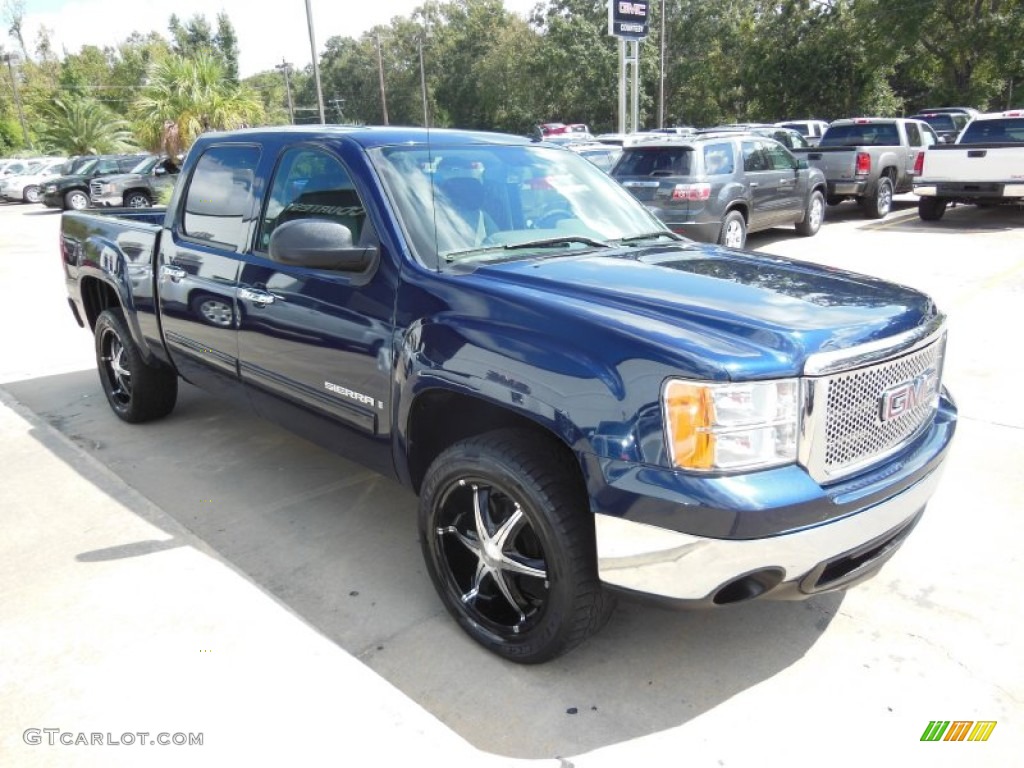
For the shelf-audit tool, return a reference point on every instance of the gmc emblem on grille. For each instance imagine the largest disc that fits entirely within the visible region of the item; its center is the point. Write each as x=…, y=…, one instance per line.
x=903, y=398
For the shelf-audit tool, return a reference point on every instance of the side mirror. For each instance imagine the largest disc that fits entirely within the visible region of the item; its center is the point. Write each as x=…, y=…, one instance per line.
x=319, y=244
x=802, y=164
x=160, y=171
x=943, y=140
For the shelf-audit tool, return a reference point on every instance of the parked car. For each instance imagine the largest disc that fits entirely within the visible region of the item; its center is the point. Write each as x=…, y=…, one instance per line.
x=25, y=187
x=811, y=130
x=787, y=137
x=969, y=111
x=947, y=125
x=72, y=191
x=984, y=167
x=139, y=188
x=583, y=401
x=604, y=156
x=870, y=159
x=717, y=187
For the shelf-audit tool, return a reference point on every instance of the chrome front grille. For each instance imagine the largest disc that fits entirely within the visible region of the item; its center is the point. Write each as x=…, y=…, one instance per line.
x=854, y=418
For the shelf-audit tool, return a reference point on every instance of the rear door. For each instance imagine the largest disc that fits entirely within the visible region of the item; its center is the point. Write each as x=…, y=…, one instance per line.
x=198, y=266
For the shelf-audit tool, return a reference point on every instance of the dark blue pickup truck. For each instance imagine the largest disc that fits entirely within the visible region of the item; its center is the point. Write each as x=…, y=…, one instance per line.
x=585, y=402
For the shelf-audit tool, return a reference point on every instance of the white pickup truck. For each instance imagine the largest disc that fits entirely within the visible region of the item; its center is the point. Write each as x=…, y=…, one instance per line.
x=984, y=167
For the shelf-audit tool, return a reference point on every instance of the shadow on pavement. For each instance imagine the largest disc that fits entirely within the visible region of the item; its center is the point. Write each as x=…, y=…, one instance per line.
x=337, y=545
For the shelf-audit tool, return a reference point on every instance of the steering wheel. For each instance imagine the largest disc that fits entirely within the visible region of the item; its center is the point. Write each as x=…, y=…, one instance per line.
x=551, y=218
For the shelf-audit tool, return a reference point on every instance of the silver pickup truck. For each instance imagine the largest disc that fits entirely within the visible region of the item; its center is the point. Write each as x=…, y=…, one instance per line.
x=870, y=159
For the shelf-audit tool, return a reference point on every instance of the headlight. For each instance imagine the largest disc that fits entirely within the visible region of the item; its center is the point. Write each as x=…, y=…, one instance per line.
x=731, y=426
x=50, y=189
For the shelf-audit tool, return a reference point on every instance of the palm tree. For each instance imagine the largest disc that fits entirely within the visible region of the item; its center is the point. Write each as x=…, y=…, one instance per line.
x=185, y=97
x=83, y=126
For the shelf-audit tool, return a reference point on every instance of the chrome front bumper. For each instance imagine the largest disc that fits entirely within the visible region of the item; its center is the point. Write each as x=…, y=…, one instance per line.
x=677, y=566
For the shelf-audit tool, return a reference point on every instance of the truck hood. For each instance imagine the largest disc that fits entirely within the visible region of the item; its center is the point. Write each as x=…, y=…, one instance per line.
x=717, y=309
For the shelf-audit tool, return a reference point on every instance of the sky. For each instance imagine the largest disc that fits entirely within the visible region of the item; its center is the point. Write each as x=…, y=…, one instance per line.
x=268, y=30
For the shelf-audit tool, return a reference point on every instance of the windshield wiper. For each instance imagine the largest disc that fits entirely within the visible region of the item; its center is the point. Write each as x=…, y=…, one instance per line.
x=539, y=243
x=648, y=236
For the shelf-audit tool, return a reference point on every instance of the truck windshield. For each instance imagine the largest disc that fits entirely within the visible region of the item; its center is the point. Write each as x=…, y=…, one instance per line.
x=861, y=135
x=145, y=166
x=497, y=202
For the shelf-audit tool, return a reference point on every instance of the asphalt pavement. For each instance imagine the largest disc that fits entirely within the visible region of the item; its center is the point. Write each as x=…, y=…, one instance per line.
x=213, y=575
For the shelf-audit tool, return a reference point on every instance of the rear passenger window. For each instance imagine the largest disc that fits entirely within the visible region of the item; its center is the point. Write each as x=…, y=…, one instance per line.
x=218, y=198
x=913, y=135
x=312, y=184
x=753, y=157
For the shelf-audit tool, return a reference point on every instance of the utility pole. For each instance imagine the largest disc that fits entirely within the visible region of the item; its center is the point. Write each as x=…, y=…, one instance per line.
x=316, y=63
x=285, y=67
x=11, y=59
x=661, y=71
x=380, y=72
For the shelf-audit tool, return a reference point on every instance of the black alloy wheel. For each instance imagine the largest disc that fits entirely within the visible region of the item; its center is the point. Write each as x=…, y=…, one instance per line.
x=136, y=391
x=506, y=537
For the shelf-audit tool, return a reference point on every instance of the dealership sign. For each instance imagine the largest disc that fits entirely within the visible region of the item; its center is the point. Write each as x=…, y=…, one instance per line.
x=628, y=20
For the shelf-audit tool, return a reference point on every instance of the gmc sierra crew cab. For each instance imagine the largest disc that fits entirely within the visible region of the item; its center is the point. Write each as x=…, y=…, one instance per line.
x=585, y=402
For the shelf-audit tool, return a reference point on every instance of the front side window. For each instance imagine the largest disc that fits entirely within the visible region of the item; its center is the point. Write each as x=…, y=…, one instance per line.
x=779, y=157
x=309, y=183
x=218, y=197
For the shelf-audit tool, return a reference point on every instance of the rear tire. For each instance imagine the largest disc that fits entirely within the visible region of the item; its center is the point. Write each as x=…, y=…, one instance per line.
x=137, y=391
x=813, y=216
x=31, y=194
x=734, y=230
x=931, y=208
x=878, y=205
x=508, y=540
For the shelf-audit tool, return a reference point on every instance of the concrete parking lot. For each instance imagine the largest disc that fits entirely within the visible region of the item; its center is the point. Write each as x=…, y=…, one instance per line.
x=213, y=573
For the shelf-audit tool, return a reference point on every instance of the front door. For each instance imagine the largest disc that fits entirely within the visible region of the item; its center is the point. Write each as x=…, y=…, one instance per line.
x=318, y=339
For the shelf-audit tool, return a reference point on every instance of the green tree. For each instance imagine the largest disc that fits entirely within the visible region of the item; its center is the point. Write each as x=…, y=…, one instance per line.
x=226, y=44
x=83, y=126
x=185, y=97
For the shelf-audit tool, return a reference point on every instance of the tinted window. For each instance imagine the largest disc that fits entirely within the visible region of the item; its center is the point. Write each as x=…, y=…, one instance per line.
x=719, y=159
x=861, y=134
x=218, y=196
x=802, y=128
x=779, y=158
x=754, y=158
x=940, y=122
x=311, y=184
x=656, y=161
x=1005, y=130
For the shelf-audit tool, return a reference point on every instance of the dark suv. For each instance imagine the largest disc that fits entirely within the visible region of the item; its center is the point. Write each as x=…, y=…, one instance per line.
x=717, y=187
x=72, y=192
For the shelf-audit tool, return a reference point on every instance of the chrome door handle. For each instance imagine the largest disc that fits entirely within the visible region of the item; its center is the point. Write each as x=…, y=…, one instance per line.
x=173, y=273
x=259, y=298
x=754, y=184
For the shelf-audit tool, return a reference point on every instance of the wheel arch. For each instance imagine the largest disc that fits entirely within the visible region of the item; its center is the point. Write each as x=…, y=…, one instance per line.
x=430, y=428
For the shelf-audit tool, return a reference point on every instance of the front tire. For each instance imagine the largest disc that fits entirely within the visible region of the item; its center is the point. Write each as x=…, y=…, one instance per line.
x=137, y=391
x=931, y=208
x=508, y=540
x=734, y=230
x=813, y=216
x=76, y=200
x=878, y=205
x=137, y=200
